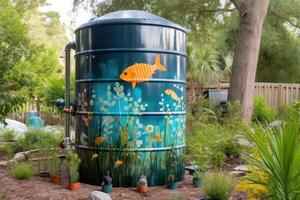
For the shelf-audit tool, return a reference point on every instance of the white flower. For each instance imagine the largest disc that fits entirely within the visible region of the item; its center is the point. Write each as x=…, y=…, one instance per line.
x=139, y=143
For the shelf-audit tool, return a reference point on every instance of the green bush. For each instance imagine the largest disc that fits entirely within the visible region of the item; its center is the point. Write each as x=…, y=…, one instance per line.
x=262, y=113
x=8, y=134
x=35, y=139
x=72, y=165
x=218, y=186
x=22, y=171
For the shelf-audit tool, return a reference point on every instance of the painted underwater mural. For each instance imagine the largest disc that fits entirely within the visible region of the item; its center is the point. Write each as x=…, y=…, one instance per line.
x=117, y=126
x=130, y=98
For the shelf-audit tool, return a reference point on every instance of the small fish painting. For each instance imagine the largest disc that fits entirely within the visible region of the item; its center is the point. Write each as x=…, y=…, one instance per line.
x=172, y=94
x=99, y=140
x=118, y=163
x=141, y=72
x=83, y=139
x=87, y=118
x=156, y=138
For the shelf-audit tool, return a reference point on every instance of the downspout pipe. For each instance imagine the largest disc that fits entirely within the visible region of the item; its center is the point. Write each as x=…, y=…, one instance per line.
x=68, y=48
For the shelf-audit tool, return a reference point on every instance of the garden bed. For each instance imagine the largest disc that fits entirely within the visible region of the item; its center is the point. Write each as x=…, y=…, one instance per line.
x=41, y=188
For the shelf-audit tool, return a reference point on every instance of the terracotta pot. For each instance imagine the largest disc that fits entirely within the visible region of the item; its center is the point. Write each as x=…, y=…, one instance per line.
x=56, y=179
x=142, y=189
x=74, y=186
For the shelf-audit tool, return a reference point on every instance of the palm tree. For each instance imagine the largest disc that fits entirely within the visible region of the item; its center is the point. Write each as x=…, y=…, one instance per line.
x=203, y=67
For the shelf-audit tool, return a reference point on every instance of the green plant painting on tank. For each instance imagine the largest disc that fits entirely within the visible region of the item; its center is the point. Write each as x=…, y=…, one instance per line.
x=126, y=146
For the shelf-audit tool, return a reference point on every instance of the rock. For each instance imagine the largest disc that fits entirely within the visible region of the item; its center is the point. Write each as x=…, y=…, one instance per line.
x=237, y=173
x=242, y=168
x=97, y=195
x=276, y=124
x=244, y=142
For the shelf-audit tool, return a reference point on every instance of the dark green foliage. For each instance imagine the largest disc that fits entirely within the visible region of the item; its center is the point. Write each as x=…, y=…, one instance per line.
x=212, y=139
x=22, y=171
x=262, y=113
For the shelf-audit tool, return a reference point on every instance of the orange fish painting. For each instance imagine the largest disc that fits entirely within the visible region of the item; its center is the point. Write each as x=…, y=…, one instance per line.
x=141, y=72
x=156, y=138
x=172, y=94
x=118, y=163
x=99, y=140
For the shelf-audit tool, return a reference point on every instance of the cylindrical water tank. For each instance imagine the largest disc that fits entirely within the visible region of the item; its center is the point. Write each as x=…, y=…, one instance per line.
x=130, y=98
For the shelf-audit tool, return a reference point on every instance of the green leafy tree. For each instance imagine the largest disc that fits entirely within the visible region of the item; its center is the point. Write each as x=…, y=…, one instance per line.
x=14, y=49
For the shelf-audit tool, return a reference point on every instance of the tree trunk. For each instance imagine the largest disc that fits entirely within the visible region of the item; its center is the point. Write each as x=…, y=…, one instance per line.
x=252, y=14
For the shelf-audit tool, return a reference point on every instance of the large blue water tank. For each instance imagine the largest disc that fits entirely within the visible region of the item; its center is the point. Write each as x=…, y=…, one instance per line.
x=130, y=94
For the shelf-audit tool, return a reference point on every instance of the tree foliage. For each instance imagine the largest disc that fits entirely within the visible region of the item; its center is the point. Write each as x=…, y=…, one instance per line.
x=30, y=42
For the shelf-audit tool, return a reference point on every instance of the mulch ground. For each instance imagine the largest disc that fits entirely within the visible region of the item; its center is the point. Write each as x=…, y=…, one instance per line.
x=37, y=188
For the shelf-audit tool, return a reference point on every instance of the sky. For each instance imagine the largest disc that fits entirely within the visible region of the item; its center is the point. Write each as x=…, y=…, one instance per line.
x=68, y=18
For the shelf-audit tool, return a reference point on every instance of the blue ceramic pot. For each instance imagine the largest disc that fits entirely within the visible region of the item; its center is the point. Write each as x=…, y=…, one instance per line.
x=197, y=182
x=172, y=185
x=106, y=188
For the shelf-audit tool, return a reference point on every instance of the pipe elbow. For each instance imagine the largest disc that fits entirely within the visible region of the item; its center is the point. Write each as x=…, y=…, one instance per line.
x=70, y=45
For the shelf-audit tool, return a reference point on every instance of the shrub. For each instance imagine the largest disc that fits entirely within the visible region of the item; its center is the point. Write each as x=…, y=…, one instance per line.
x=22, y=171
x=72, y=165
x=35, y=139
x=278, y=157
x=8, y=135
x=218, y=186
x=262, y=113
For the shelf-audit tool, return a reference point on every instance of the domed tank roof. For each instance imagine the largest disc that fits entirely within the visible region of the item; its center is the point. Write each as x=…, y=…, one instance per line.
x=131, y=17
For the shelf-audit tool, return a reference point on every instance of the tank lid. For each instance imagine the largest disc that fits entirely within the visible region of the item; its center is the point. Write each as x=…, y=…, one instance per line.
x=131, y=17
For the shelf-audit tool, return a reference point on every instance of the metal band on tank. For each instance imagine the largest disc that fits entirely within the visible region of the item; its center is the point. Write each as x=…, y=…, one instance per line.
x=132, y=114
x=145, y=50
x=119, y=80
x=132, y=149
x=129, y=22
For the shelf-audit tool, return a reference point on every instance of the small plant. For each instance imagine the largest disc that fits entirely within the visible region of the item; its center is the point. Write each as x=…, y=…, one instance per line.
x=54, y=169
x=8, y=135
x=22, y=171
x=72, y=166
x=176, y=197
x=262, y=113
x=3, y=194
x=218, y=186
x=54, y=165
x=198, y=177
x=218, y=159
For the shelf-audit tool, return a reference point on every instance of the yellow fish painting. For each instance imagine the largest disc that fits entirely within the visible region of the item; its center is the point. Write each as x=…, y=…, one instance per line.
x=156, y=138
x=99, y=140
x=141, y=72
x=172, y=94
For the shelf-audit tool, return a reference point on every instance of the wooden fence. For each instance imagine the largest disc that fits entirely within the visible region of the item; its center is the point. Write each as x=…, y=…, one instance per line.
x=276, y=94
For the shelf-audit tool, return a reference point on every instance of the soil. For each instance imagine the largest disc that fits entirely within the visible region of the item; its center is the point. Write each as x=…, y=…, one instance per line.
x=37, y=188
